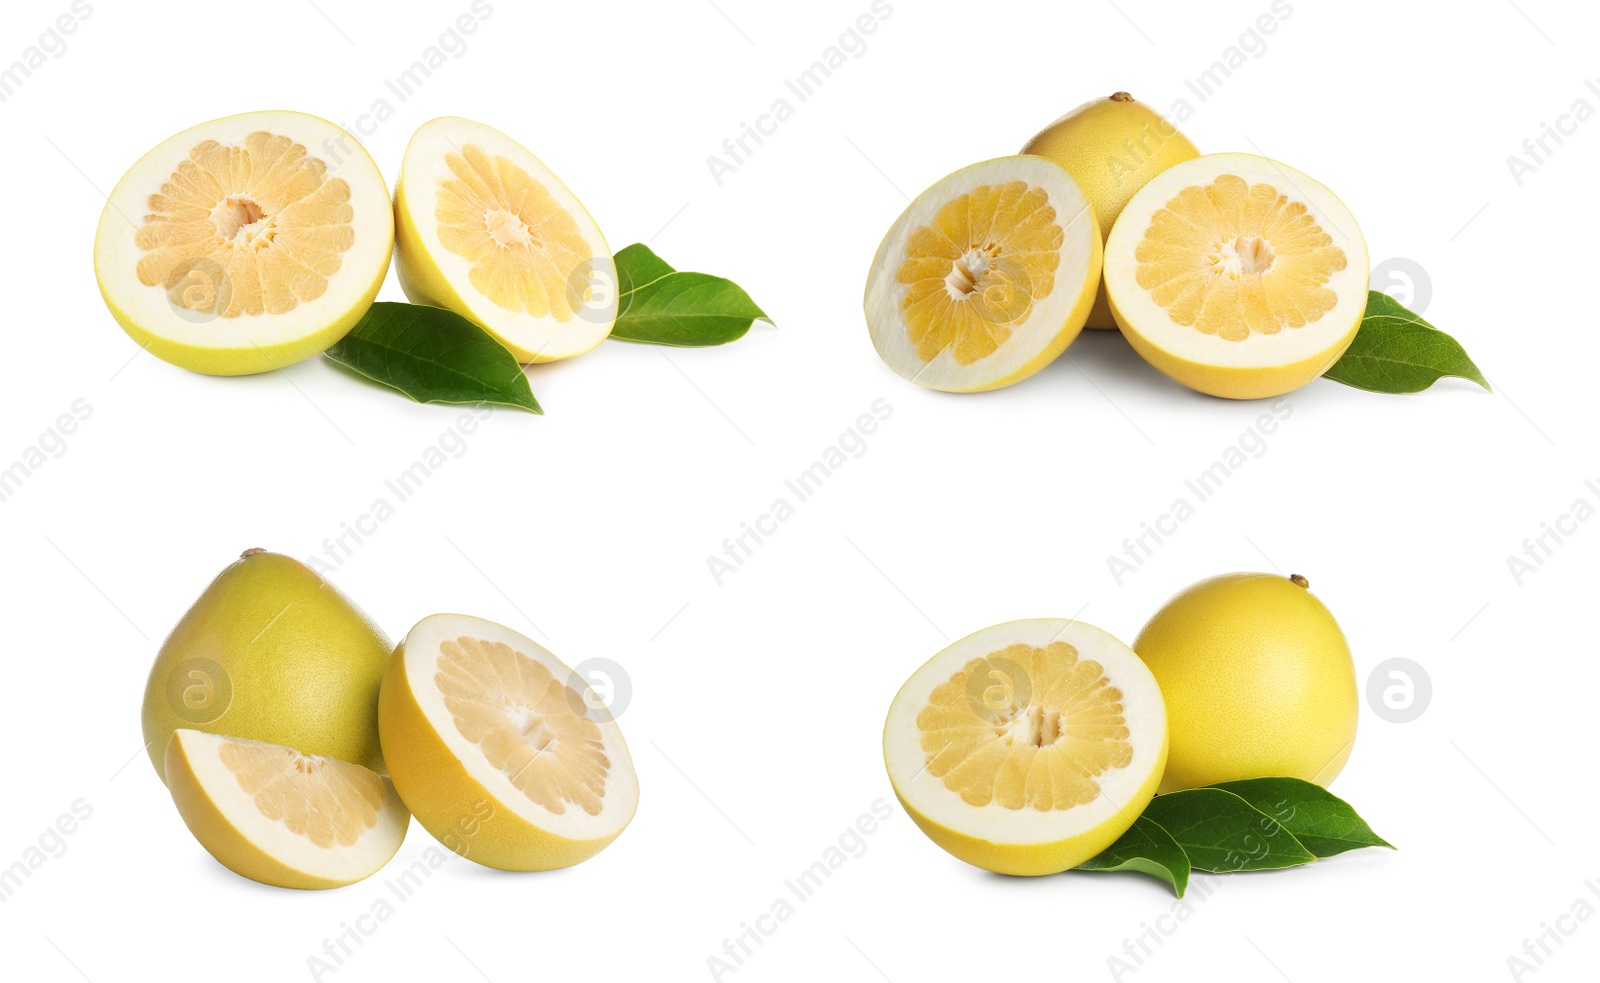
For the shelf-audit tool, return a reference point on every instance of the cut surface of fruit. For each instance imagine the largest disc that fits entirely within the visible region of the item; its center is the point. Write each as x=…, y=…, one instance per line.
x=486, y=230
x=1258, y=680
x=1112, y=147
x=245, y=244
x=1028, y=747
x=280, y=817
x=1237, y=276
x=271, y=652
x=501, y=751
x=986, y=277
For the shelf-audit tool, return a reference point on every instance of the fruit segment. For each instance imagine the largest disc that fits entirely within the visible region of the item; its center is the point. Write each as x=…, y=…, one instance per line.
x=280, y=817
x=1231, y=258
x=977, y=268
x=1041, y=748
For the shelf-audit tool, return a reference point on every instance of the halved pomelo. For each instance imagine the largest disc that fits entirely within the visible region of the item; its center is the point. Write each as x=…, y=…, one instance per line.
x=986, y=277
x=1237, y=276
x=281, y=817
x=245, y=244
x=1029, y=747
x=501, y=751
x=486, y=230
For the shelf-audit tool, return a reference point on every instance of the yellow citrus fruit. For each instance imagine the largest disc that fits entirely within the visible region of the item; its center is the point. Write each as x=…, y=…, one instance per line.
x=271, y=652
x=986, y=277
x=280, y=817
x=486, y=230
x=502, y=752
x=1112, y=147
x=1029, y=747
x=245, y=244
x=1258, y=681
x=1237, y=276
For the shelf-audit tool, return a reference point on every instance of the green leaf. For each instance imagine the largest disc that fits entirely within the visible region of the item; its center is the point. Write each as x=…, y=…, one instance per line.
x=1149, y=849
x=661, y=306
x=1396, y=351
x=1222, y=832
x=1322, y=822
x=637, y=265
x=433, y=356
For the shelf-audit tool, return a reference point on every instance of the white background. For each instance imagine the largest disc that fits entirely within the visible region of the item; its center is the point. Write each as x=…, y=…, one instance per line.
x=757, y=704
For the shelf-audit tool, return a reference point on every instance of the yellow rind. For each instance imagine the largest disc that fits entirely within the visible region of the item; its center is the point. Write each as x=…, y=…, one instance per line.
x=451, y=804
x=222, y=839
x=1038, y=859
x=1236, y=382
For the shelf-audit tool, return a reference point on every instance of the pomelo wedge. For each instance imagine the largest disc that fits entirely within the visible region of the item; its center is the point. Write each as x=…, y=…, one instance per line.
x=501, y=751
x=1237, y=276
x=245, y=244
x=1028, y=747
x=280, y=817
x=486, y=230
x=986, y=277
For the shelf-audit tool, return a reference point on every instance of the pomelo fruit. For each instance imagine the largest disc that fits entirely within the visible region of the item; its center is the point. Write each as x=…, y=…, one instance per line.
x=503, y=753
x=1258, y=682
x=1237, y=276
x=986, y=277
x=1029, y=747
x=486, y=230
x=245, y=244
x=281, y=817
x=271, y=652
x=1112, y=147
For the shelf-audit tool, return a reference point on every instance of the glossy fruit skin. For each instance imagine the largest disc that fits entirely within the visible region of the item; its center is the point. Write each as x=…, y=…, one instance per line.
x=1257, y=679
x=1112, y=147
x=271, y=652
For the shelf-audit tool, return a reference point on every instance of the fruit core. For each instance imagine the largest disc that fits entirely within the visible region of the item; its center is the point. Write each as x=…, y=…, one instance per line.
x=527, y=723
x=253, y=228
x=1233, y=259
x=525, y=250
x=1025, y=727
x=327, y=801
x=977, y=268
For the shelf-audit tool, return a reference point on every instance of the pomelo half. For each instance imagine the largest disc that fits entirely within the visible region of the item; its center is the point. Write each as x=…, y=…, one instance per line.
x=245, y=244
x=1237, y=276
x=280, y=817
x=986, y=277
x=1029, y=747
x=501, y=751
x=486, y=230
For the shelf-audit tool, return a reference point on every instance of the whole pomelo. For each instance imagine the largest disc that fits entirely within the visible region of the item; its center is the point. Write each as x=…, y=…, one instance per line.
x=271, y=652
x=1112, y=147
x=1257, y=679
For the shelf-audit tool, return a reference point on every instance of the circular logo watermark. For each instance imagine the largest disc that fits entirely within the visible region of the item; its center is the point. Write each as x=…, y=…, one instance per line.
x=599, y=684
x=592, y=291
x=995, y=692
x=1406, y=281
x=1399, y=690
x=198, y=290
x=199, y=690
x=1003, y=293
